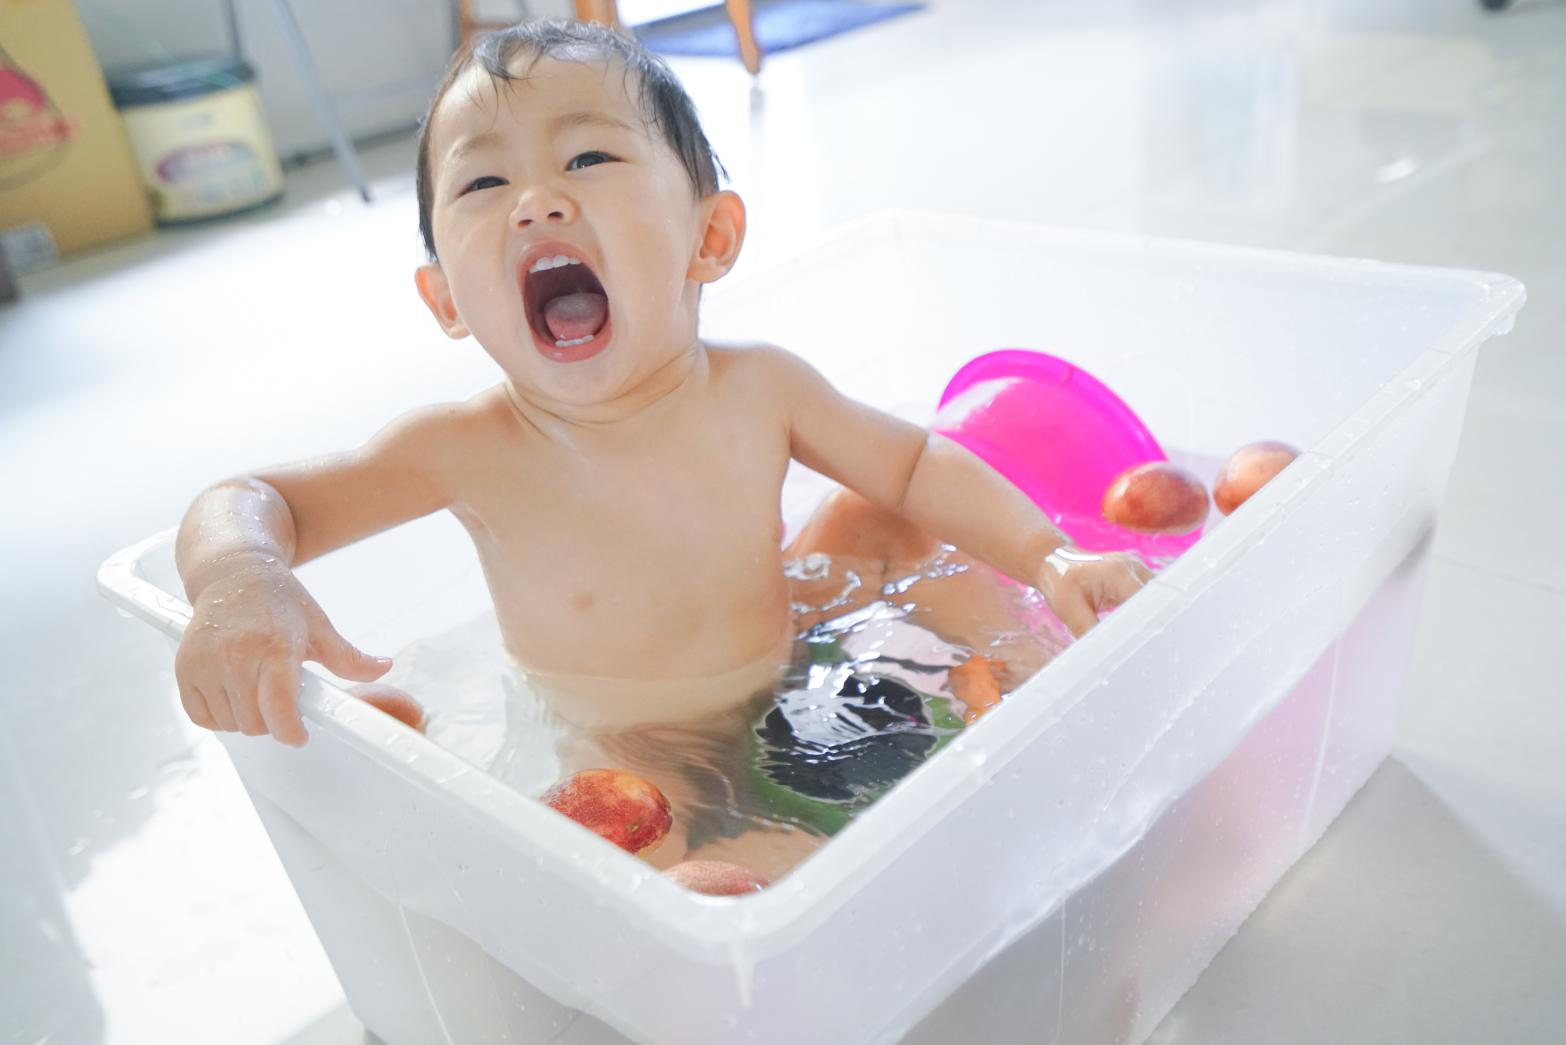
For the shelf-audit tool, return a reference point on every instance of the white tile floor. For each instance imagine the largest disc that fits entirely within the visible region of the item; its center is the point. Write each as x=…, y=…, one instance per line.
x=141, y=901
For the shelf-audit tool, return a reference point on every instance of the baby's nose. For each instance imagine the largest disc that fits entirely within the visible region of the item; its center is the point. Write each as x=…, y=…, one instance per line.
x=537, y=204
x=525, y=219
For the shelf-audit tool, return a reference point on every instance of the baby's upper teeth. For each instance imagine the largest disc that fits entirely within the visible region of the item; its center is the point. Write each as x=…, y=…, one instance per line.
x=552, y=263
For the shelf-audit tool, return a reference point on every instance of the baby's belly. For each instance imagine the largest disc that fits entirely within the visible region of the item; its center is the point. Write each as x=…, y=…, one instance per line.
x=612, y=704
x=670, y=620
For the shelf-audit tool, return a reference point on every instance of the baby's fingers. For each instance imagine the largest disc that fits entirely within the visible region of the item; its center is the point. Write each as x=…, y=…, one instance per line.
x=1123, y=579
x=1072, y=606
x=193, y=683
x=195, y=704
x=342, y=658
x=240, y=685
x=219, y=702
x=279, y=689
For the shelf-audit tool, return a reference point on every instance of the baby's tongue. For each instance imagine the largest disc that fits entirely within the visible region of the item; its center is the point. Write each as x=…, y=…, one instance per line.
x=571, y=316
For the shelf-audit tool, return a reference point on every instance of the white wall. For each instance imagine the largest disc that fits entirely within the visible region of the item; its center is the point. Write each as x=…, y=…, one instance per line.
x=400, y=45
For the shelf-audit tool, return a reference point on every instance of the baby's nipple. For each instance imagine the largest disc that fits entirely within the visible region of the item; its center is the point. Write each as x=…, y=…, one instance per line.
x=579, y=315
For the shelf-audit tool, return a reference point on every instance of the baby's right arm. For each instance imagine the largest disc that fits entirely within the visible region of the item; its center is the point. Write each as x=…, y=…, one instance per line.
x=238, y=665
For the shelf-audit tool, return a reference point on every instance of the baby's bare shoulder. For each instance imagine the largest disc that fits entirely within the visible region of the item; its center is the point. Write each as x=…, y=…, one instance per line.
x=756, y=366
x=442, y=434
x=762, y=372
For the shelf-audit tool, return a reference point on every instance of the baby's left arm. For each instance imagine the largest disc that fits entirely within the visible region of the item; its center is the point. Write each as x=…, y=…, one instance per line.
x=948, y=492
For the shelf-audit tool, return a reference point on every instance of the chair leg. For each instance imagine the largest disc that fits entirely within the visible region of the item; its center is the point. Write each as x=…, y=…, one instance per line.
x=744, y=28
x=604, y=11
x=607, y=12
x=342, y=145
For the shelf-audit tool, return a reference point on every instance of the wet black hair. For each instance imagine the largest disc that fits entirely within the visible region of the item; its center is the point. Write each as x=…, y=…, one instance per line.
x=664, y=101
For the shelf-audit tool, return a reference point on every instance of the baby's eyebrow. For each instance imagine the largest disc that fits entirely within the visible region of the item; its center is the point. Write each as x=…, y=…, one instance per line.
x=591, y=117
x=586, y=117
x=470, y=145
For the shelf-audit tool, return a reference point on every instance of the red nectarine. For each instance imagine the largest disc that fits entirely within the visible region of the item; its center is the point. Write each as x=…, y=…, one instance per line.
x=716, y=878
x=393, y=701
x=1156, y=497
x=974, y=682
x=619, y=806
x=1247, y=470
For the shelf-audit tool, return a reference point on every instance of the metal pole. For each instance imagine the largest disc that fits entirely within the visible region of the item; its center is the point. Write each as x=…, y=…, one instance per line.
x=231, y=18
x=323, y=101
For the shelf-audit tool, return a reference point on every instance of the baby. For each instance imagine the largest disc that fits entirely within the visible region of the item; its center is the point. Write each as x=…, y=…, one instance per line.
x=622, y=483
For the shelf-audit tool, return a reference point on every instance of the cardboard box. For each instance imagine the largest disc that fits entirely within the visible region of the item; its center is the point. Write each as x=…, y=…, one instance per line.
x=68, y=177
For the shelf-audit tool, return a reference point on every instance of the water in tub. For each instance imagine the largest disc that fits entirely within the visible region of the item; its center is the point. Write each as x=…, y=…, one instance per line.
x=867, y=698
x=869, y=695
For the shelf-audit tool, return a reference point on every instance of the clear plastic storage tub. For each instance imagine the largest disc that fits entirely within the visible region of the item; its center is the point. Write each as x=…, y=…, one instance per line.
x=1065, y=869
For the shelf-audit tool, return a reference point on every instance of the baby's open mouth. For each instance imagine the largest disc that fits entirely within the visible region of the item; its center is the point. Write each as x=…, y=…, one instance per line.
x=566, y=304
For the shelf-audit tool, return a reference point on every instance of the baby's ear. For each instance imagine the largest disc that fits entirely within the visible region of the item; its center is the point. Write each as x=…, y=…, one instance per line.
x=436, y=293
x=723, y=232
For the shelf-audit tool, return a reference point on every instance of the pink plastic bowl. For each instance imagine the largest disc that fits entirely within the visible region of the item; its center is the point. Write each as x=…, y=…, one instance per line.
x=1061, y=436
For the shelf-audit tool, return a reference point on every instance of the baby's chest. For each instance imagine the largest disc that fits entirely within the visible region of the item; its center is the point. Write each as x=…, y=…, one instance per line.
x=662, y=512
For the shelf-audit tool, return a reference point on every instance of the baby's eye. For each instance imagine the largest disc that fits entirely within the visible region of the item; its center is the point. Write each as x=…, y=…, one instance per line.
x=595, y=158
x=474, y=184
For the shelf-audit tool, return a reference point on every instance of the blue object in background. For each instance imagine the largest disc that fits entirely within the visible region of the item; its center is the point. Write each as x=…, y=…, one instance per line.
x=779, y=26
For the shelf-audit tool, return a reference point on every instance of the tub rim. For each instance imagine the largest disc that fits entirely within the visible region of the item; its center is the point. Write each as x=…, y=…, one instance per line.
x=729, y=930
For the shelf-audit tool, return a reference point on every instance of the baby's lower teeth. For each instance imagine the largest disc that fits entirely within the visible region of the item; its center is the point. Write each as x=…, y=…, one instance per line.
x=571, y=344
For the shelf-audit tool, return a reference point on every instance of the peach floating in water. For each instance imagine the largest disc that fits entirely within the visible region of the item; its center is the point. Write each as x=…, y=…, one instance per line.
x=716, y=878
x=1156, y=497
x=619, y=806
x=393, y=701
x=1247, y=470
x=974, y=683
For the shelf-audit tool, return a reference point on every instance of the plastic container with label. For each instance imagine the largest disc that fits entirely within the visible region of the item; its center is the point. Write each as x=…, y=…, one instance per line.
x=200, y=137
x=1063, y=870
